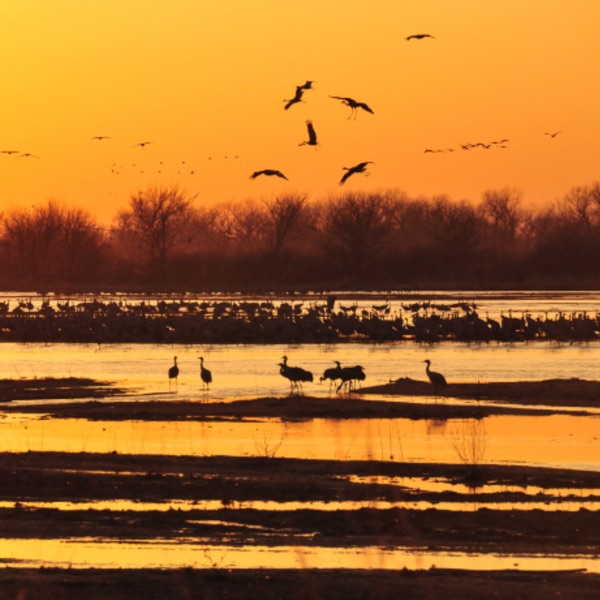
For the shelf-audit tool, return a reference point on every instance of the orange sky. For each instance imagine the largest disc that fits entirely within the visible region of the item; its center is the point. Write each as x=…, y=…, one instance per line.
x=205, y=82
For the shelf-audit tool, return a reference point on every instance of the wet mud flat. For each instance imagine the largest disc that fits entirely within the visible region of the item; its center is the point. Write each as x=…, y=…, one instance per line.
x=219, y=492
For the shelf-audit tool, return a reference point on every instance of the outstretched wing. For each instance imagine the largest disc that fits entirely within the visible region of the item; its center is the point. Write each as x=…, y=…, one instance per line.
x=365, y=107
x=312, y=134
x=347, y=174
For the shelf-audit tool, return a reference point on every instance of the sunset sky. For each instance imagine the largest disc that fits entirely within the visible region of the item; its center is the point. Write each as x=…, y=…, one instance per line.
x=205, y=81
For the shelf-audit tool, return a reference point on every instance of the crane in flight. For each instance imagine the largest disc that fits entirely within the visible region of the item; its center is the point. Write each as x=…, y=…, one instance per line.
x=268, y=173
x=359, y=168
x=419, y=36
x=552, y=134
x=354, y=105
x=300, y=89
x=312, y=135
x=141, y=144
x=101, y=137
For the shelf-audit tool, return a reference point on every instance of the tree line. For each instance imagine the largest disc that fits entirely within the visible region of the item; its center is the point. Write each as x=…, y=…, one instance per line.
x=163, y=240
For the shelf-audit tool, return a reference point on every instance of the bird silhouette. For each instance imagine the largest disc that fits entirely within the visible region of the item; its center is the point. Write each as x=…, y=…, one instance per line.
x=28, y=155
x=354, y=105
x=173, y=372
x=300, y=89
x=436, y=378
x=359, y=168
x=141, y=144
x=312, y=135
x=101, y=137
x=419, y=36
x=552, y=134
x=205, y=374
x=9, y=151
x=269, y=173
x=295, y=375
x=348, y=375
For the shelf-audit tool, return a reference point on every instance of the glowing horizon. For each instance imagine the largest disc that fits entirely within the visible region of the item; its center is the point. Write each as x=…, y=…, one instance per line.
x=205, y=82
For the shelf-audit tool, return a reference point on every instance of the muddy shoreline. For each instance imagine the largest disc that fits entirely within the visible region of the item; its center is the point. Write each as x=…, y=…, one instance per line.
x=215, y=497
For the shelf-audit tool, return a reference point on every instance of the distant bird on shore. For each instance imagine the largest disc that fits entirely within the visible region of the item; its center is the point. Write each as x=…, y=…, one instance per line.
x=312, y=135
x=552, y=134
x=354, y=105
x=436, y=378
x=268, y=173
x=419, y=36
x=359, y=168
x=205, y=374
x=141, y=144
x=173, y=372
x=295, y=375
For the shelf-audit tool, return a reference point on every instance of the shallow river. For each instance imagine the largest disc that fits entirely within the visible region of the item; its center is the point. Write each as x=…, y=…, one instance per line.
x=251, y=371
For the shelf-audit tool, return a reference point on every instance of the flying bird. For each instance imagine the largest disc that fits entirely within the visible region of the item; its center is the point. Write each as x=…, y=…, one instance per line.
x=306, y=86
x=312, y=135
x=269, y=173
x=300, y=89
x=552, y=134
x=9, y=151
x=419, y=36
x=101, y=137
x=354, y=105
x=28, y=155
x=141, y=144
x=359, y=168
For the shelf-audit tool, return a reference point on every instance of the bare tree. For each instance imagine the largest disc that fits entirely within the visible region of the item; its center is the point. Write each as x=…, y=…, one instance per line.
x=157, y=219
x=52, y=242
x=285, y=215
x=502, y=210
x=356, y=226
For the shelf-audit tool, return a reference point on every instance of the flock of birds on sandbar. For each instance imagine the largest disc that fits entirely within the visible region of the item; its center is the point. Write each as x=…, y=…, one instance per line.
x=346, y=376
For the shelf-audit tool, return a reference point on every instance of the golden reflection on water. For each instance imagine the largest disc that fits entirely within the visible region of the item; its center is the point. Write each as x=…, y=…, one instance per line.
x=559, y=440
x=86, y=553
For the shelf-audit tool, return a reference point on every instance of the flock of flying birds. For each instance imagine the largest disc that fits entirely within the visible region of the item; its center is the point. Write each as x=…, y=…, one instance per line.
x=312, y=140
x=351, y=103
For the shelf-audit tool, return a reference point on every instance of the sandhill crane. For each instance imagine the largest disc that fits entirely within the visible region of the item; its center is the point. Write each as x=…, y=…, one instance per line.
x=173, y=372
x=295, y=375
x=205, y=374
x=436, y=378
x=300, y=89
x=312, y=135
x=28, y=155
x=141, y=144
x=552, y=134
x=419, y=36
x=101, y=137
x=333, y=374
x=269, y=173
x=359, y=168
x=9, y=151
x=354, y=105
x=350, y=374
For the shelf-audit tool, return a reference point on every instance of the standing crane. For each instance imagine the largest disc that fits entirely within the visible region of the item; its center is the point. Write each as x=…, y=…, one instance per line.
x=295, y=375
x=173, y=373
x=359, y=168
x=205, y=374
x=436, y=378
